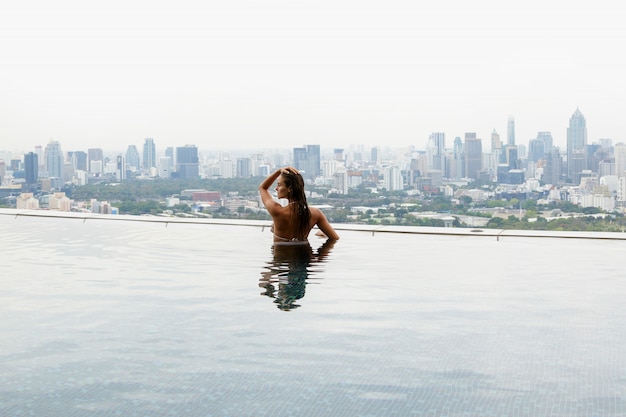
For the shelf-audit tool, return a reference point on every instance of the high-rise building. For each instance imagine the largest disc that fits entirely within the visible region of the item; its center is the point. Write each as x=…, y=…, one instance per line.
x=244, y=168
x=31, y=168
x=392, y=179
x=552, y=170
x=169, y=151
x=307, y=160
x=473, y=155
x=510, y=131
x=374, y=155
x=606, y=143
x=40, y=156
x=536, y=150
x=149, y=154
x=620, y=159
x=457, y=168
x=576, y=145
x=435, y=151
x=511, y=157
x=496, y=143
x=132, y=158
x=120, y=168
x=78, y=159
x=187, y=162
x=165, y=167
x=546, y=138
x=54, y=160
x=95, y=157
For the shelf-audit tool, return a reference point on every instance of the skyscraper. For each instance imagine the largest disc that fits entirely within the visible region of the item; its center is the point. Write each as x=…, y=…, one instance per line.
x=78, y=159
x=552, y=169
x=620, y=159
x=473, y=155
x=244, y=168
x=308, y=161
x=496, y=143
x=536, y=150
x=40, y=156
x=54, y=160
x=120, y=168
x=187, y=162
x=165, y=167
x=510, y=131
x=546, y=138
x=169, y=151
x=149, y=154
x=31, y=168
x=458, y=166
x=132, y=158
x=95, y=158
x=576, y=145
x=374, y=155
x=435, y=151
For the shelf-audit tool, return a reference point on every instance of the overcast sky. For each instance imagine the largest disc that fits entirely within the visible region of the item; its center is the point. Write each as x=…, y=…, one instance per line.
x=236, y=74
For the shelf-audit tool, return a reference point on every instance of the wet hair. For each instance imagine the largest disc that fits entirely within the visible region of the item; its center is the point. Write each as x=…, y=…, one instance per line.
x=297, y=202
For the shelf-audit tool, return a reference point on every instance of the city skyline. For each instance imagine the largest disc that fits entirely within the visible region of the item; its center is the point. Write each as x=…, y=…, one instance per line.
x=506, y=137
x=281, y=74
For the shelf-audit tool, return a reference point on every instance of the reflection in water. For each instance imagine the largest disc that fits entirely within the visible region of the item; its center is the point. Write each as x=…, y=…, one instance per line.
x=290, y=267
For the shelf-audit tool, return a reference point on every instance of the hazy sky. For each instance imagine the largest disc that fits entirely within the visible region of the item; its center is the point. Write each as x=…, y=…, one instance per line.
x=224, y=74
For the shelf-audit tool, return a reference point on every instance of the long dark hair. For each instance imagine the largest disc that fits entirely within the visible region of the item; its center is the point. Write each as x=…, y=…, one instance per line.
x=297, y=202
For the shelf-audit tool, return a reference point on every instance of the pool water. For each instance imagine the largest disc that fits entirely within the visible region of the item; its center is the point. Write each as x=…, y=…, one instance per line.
x=140, y=318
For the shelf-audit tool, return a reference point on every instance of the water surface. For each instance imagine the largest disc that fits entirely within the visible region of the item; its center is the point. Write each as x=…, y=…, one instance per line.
x=102, y=317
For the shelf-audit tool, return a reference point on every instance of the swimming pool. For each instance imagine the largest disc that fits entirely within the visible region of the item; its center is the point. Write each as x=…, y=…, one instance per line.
x=142, y=318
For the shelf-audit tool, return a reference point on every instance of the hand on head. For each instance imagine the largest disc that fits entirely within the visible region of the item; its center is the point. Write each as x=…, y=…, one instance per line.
x=289, y=170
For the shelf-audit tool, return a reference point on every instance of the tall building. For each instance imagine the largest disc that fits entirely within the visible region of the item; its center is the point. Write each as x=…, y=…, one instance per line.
x=31, y=168
x=120, y=168
x=546, y=138
x=78, y=159
x=165, y=167
x=54, y=160
x=95, y=156
x=536, y=150
x=473, y=155
x=511, y=156
x=374, y=155
x=392, y=179
x=132, y=158
x=552, y=170
x=620, y=159
x=244, y=169
x=576, y=145
x=187, y=162
x=510, y=131
x=169, y=151
x=40, y=156
x=149, y=154
x=435, y=151
x=496, y=143
x=307, y=160
x=457, y=168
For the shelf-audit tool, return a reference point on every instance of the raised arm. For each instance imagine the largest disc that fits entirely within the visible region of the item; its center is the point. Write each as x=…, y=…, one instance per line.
x=268, y=201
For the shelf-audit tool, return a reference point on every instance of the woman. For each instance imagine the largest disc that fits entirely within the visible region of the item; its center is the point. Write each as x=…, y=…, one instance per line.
x=293, y=222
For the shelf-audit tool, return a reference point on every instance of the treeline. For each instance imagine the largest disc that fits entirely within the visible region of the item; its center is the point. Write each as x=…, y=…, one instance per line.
x=148, y=197
x=137, y=190
x=612, y=223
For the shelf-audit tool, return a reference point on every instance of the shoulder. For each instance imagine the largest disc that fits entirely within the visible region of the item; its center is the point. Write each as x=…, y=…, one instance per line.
x=315, y=211
x=316, y=214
